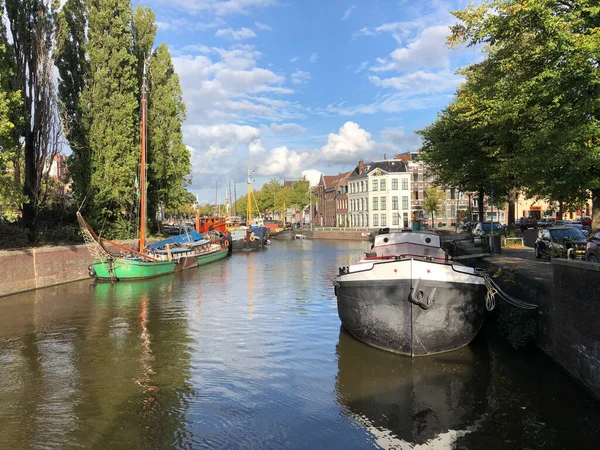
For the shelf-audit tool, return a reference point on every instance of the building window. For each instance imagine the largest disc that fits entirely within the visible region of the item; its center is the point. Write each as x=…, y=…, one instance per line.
x=425, y=177
x=405, y=202
x=475, y=202
x=382, y=185
x=405, y=219
x=395, y=219
x=383, y=204
x=375, y=204
x=375, y=220
x=405, y=184
x=362, y=204
x=395, y=184
x=395, y=204
x=452, y=211
x=375, y=184
x=415, y=177
x=452, y=194
x=383, y=220
x=416, y=195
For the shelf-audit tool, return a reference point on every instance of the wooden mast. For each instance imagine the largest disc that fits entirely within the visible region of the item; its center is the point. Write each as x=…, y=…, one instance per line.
x=249, y=203
x=143, y=168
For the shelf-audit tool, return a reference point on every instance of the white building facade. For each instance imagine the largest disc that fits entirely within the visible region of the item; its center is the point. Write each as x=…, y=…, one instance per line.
x=379, y=195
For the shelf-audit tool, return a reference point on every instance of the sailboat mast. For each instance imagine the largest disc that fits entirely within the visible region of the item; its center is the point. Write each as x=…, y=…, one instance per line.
x=249, y=202
x=143, y=168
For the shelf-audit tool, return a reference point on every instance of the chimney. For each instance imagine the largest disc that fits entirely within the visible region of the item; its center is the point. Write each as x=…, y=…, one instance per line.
x=361, y=166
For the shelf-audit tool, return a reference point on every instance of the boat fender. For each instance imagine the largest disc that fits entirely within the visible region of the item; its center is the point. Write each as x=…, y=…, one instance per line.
x=417, y=296
x=91, y=271
x=252, y=237
x=244, y=239
x=226, y=243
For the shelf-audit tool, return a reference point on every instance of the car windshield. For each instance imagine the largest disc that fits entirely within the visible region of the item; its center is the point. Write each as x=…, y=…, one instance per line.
x=488, y=226
x=568, y=233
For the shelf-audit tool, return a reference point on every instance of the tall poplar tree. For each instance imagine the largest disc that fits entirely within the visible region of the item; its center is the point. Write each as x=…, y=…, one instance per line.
x=111, y=98
x=11, y=119
x=31, y=27
x=73, y=68
x=168, y=157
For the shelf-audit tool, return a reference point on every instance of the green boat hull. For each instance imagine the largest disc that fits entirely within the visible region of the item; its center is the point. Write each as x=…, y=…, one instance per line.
x=122, y=269
x=206, y=259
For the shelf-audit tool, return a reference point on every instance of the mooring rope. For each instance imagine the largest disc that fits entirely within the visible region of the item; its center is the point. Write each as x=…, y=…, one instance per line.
x=493, y=289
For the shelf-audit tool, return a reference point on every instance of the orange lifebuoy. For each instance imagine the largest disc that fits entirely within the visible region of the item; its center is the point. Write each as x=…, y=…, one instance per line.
x=226, y=243
x=251, y=238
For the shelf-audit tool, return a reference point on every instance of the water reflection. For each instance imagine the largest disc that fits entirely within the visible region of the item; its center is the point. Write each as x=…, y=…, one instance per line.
x=108, y=368
x=429, y=401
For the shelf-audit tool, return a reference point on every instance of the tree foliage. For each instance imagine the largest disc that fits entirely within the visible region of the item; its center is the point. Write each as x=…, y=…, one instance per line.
x=168, y=157
x=433, y=202
x=31, y=27
x=11, y=120
x=539, y=92
x=73, y=69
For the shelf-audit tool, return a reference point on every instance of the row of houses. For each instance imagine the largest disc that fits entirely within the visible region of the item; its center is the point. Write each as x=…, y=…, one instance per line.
x=391, y=192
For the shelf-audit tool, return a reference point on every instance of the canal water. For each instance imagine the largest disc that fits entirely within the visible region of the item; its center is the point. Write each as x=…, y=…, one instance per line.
x=248, y=353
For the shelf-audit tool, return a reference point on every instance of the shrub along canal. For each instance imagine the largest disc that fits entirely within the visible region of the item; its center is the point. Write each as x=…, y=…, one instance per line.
x=248, y=353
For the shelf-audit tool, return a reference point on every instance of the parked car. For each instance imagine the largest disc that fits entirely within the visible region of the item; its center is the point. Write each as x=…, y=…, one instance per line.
x=527, y=222
x=485, y=229
x=572, y=224
x=561, y=242
x=546, y=222
x=592, y=251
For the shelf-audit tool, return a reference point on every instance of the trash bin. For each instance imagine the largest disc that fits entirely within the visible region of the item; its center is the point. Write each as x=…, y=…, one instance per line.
x=495, y=245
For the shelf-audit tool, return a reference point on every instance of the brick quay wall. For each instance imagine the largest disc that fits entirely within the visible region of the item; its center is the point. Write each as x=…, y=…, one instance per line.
x=40, y=267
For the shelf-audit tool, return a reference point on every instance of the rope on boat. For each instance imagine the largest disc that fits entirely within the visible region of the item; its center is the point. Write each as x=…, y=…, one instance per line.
x=493, y=289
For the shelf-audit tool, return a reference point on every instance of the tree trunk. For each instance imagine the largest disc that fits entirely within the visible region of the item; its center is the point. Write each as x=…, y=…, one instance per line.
x=30, y=184
x=512, y=203
x=595, y=210
x=481, y=201
x=561, y=209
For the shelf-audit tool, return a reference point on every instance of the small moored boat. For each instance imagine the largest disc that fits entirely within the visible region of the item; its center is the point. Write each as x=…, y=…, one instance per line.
x=408, y=297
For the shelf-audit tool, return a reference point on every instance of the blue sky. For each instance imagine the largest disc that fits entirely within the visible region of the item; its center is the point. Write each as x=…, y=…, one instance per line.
x=283, y=86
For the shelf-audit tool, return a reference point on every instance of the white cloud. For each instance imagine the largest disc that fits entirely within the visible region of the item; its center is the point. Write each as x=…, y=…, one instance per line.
x=218, y=7
x=351, y=143
x=287, y=128
x=163, y=25
x=231, y=7
x=283, y=162
x=224, y=135
x=348, y=12
x=314, y=58
x=255, y=148
x=226, y=85
x=262, y=26
x=294, y=59
x=427, y=50
x=236, y=35
x=300, y=77
x=421, y=82
x=401, y=139
x=363, y=65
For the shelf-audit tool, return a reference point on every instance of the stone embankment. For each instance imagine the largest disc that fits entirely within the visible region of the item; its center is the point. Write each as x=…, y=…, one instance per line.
x=568, y=297
x=34, y=268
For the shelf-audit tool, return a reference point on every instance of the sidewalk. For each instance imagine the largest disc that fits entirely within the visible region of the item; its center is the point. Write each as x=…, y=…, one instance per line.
x=522, y=261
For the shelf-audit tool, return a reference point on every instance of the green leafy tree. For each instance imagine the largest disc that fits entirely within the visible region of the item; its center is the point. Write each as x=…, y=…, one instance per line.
x=111, y=98
x=546, y=57
x=31, y=27
x=268, y=195
x=73, y=69
x=433, y=202
x=168, y=157
x=11, y=118
x=300, y=196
